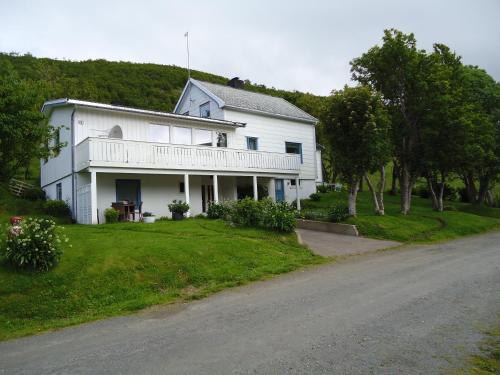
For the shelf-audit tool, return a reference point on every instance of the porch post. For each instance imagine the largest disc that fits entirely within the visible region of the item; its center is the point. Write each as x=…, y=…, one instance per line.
x=93, y=196
x=216, y=189
x=255, y=190
x=186, y=192
x=297, y=192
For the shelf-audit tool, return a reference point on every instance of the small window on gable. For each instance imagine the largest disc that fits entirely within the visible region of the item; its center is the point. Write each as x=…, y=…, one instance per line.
x=205, y=110
x=116, y=132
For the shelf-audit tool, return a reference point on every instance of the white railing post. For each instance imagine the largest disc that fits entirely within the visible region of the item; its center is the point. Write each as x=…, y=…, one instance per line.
x=186, y=192
x=93, y=196
x=255, y=189
x=216, y=189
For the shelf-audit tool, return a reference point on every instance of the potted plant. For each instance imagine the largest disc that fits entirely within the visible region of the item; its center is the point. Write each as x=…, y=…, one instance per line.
x=148, y=218
x=178, y=209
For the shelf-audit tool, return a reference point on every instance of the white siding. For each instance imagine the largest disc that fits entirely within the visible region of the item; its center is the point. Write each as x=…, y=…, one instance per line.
x=60, y=166
x=273, y=133
x=66, y=187
x=197, y=98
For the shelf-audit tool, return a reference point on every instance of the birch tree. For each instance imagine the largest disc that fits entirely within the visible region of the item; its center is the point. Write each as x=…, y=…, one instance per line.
x=356, y=125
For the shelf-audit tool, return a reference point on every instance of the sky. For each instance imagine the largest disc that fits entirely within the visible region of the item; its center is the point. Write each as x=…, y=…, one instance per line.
x=292, y=45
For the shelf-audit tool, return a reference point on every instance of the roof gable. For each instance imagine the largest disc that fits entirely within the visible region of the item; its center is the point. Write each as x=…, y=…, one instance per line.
x=226, y=96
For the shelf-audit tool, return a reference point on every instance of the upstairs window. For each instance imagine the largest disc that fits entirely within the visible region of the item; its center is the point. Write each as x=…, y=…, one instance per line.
x=252, y=143
x=221, y=139
x=205, y=110
x=159, y=133
x=116, y=132
x=202, y=137
x=181, y=136
x=294, y=148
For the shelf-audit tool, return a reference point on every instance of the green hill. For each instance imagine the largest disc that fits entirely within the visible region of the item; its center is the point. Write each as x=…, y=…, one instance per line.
x=147, y=86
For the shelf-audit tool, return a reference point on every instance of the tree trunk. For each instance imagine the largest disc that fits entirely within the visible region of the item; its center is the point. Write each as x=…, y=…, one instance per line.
x=360, y=188
x=405, y=186
x=470, y=187
x=436, y=190
x=353, y=193
x=394, y=184
x=490, y=200
x=432, y=193
x=484, y=185
x=378, y=196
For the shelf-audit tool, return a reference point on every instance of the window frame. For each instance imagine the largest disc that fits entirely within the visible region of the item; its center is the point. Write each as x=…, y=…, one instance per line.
x=158, y=124
x=173, y=140
x=295, y=153
x=256, y=143
x=201, y=108
x=217, y=143
x=59, y=191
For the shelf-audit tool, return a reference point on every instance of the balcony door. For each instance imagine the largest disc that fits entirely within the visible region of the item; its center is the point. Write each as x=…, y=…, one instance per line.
x=128, y=190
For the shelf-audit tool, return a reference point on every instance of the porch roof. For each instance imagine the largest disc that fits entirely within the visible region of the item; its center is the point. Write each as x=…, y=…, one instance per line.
x=48, y=105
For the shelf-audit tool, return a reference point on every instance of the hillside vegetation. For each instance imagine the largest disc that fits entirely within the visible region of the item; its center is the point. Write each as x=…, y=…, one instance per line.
x=147, y=86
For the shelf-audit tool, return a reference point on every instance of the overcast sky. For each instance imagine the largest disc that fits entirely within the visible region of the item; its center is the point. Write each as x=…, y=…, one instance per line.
x=302, y=45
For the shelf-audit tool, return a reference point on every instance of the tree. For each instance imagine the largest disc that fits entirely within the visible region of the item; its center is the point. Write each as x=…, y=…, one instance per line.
x=356, y=125
x=444, y=123
x=397, y=69
x=24, y=132
x=481, y=154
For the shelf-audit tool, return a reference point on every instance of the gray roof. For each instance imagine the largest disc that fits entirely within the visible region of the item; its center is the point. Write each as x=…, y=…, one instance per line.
x=256, y=102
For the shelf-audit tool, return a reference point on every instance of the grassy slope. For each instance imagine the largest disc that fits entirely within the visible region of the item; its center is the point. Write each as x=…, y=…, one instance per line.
x=114, y=269
x=422, y=225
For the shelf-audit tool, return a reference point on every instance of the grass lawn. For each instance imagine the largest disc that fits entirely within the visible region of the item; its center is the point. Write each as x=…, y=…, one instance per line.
x=422, y=225
x=118, y=268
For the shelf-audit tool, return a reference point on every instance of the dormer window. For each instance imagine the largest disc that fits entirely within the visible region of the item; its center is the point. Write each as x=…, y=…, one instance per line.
x=116, y=132
x=205, y=110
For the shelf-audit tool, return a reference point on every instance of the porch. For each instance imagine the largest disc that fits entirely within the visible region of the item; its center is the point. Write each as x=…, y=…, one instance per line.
x=98, y=188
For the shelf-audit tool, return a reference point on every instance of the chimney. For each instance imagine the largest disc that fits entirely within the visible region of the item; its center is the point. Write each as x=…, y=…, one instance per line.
x=236, y=83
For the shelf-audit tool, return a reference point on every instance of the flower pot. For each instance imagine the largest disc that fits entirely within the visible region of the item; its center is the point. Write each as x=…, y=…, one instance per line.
x=177, y=216
x=149, y=219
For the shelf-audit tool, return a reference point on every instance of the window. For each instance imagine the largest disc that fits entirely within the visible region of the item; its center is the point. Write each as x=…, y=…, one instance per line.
x=252, y=143
x=59, y=191
x=205, y=110
x=294, y=148
x=294, y=183
x=116, y=132
x=221, y=139
x=181, y=136
x=181, y=187
x=202, y=137
x=159, y=133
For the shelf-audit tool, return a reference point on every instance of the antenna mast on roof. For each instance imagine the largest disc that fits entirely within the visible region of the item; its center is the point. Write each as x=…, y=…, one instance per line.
x=187, y=47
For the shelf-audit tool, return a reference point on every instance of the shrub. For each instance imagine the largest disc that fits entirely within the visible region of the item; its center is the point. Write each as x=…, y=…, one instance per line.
x=338, y=213
x=463, y=196
x=315, y=197
x=278, y=216
x=322, y=188
x=34, y=194
x=178, y=207
x=218, y=210
x=246, y=212
x=111, y=215
x=147, y=214
x=34, y=244
x=449, y=192
x=56, y=208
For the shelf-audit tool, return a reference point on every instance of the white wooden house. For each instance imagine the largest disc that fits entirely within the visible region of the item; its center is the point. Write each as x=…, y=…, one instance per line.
x=221, y=143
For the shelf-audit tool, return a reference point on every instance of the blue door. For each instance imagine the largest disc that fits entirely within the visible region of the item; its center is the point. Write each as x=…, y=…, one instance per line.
x=279, y=190
x=128, y=190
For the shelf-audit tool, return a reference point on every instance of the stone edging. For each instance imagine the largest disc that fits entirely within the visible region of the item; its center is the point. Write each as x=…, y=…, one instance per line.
x=325, y=226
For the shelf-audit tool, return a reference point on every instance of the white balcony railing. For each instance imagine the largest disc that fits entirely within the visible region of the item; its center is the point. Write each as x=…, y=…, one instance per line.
x=105, y=152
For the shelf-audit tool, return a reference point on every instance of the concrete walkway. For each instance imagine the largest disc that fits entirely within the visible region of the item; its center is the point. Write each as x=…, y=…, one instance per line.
x=331, y=244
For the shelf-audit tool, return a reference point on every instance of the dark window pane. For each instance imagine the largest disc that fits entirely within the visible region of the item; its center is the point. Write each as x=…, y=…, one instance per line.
x=221, y=139
x=205, y=110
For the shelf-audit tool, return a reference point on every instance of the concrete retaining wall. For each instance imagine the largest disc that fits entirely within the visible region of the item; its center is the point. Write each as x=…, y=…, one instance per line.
x=324, y=226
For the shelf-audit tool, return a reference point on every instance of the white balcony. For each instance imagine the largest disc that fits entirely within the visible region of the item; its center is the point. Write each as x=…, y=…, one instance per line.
x=105, y=152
